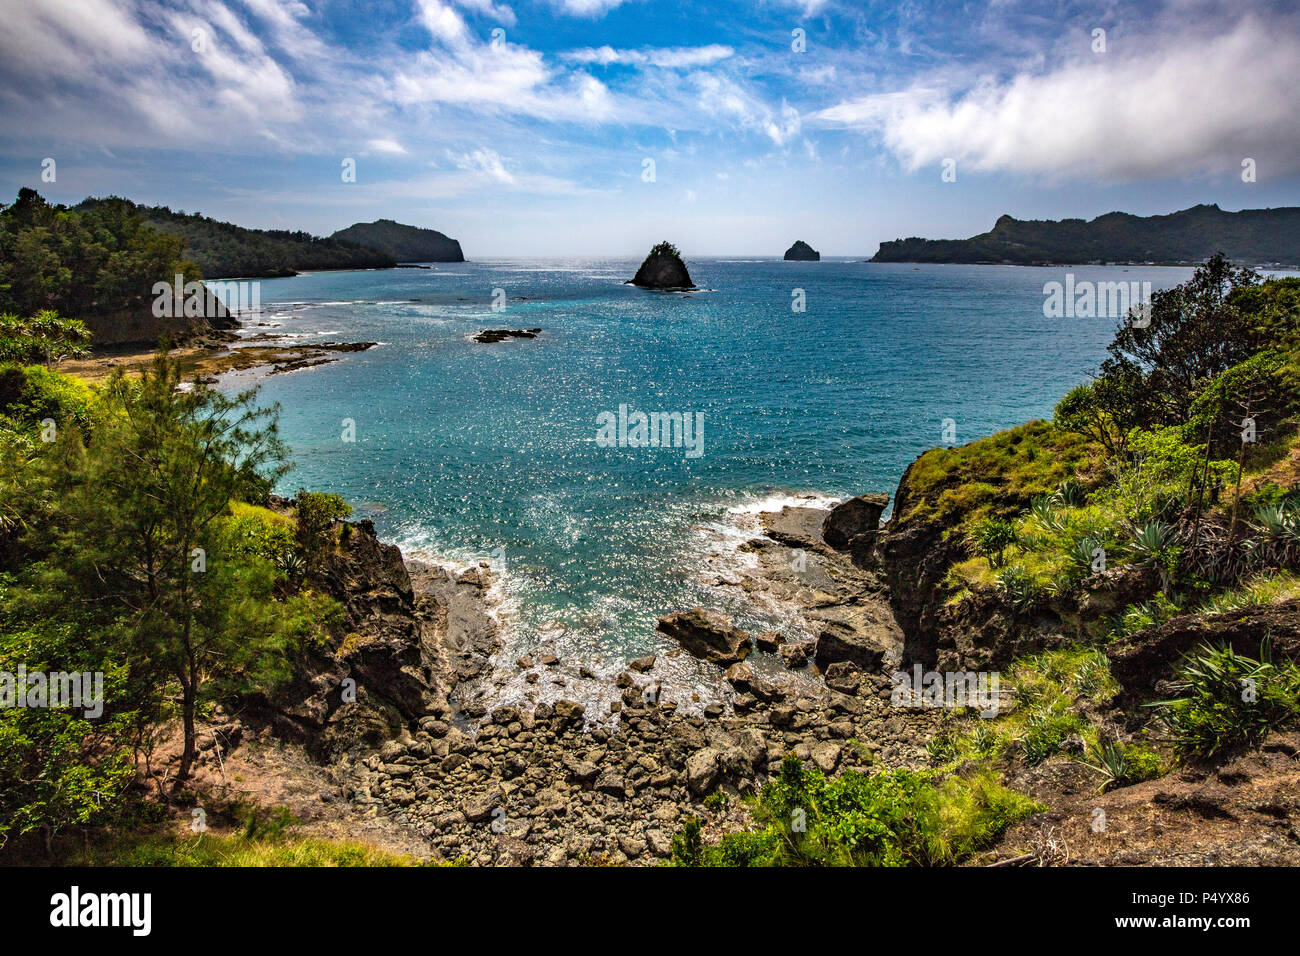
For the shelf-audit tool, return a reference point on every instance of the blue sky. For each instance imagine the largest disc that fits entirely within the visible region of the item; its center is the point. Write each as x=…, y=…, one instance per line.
x=534, y=141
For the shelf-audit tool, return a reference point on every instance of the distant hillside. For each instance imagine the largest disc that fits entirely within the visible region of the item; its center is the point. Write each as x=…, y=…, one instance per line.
x=404, y=243
x=1188, y=237
x=222, y=250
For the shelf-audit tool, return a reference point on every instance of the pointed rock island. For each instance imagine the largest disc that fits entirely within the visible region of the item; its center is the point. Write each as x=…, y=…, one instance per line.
x=802, y=252
x=663, y=269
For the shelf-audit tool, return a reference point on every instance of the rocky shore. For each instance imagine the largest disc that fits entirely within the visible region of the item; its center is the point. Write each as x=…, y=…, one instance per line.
x=424, y=743
x=404, y=707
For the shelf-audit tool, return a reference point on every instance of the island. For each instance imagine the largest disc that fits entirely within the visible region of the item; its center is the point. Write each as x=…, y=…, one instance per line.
x=663, y=269
x=1266, y=237
x=802, y=252
x=404, y=243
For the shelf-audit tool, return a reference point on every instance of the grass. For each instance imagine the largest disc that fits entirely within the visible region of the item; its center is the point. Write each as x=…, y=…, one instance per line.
x=891, y=818
x=996, y=476
x=1048, y=690
x=237, y=849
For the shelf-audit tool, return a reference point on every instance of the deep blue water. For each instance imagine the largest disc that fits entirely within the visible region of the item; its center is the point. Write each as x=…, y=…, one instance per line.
x=462, y=448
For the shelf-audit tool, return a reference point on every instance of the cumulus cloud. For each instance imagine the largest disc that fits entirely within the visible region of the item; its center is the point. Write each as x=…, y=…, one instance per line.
x=1151, y=107
x=389, y=146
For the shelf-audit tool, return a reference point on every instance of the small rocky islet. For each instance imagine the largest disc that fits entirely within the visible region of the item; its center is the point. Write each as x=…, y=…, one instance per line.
x=802, y=252
x=663, y=269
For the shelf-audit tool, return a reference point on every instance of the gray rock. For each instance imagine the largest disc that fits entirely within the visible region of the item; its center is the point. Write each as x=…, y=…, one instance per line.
x=707, y=634
x=857, y=516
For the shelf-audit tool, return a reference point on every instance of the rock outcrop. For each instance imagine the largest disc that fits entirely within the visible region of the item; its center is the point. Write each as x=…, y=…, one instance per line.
x=502, y=335
x=663, y=269
x=708, y=635
x=139, y=326
x=1140, y=662
x=398, y=653
x=853, y=524
x=802, y=252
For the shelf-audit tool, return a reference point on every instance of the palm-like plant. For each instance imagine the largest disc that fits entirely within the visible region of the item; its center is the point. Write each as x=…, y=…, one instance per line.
x=1150, y=546
x=992, y=537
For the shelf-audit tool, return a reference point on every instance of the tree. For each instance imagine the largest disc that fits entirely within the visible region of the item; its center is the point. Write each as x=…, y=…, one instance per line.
x=44, y=337
x=140, y=531
x=1195, y=331
x=1101, y=410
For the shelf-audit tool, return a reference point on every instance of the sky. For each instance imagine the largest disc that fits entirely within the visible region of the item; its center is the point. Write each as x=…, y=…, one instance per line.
x=598, y=127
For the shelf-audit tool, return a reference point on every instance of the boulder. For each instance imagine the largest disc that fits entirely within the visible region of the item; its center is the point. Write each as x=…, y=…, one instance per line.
x=703, y=768
x=796, y=655
x=802, y=252
x=740, y=675
x=708, y=635
x=838, y=642
x=663, y=269
x=857, y=516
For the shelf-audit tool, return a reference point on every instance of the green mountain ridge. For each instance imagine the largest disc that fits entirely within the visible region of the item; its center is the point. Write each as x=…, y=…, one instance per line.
x=223, y=250
x=404, y=243
x=1187, y=237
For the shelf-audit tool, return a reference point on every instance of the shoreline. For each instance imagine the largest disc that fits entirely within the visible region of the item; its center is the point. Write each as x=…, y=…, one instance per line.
x=209, y=362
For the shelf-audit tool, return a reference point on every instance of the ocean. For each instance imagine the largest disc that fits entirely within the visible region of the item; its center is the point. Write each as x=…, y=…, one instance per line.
x=493, y=452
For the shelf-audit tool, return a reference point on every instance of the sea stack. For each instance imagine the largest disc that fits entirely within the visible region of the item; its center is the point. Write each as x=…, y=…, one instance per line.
x=802, y=252
x=663, y=269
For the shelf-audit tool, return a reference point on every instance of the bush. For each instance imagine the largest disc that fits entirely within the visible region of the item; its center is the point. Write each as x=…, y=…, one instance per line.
x=29, y=394
x=1228, y=701
x=893, y=818
x=316, y=514
x=991, y=538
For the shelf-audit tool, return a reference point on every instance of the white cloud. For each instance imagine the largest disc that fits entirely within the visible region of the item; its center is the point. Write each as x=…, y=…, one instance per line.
x=1187, y=103
x=484, y=161
x=389, y=146
x=587, y=8
x=723, y=97
x=668, y=57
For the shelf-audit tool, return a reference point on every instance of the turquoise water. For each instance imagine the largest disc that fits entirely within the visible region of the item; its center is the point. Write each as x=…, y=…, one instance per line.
x=488, y=451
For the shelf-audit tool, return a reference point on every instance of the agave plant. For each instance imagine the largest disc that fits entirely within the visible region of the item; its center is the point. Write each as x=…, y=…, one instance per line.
x=1081, y=556
x=1108, y=759
x=1019, y=586
x=1149, y=544
x=1044, y=510
x=1069, y=493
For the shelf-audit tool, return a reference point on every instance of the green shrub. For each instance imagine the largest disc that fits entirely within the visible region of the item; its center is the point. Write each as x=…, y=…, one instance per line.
x=893, y=818
x=991, y=537
x=1228, y=700
x=1122, y=765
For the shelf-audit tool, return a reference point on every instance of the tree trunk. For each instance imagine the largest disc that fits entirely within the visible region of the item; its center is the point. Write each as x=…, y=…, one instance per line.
x=187, y=720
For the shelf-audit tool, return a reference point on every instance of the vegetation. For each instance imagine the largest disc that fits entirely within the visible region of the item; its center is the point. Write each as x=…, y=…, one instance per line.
x=43, y=337
x=404, y=243
x=1228, y=701
x=224, y=250
x=1185, y=237
x=892, y=818
x=133, y=548
x=92, y=261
